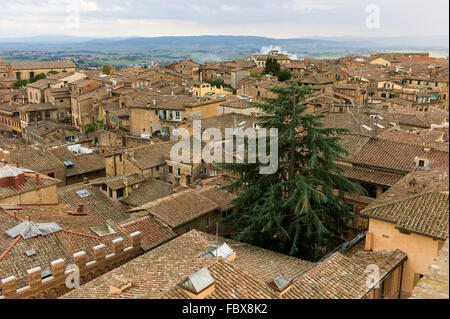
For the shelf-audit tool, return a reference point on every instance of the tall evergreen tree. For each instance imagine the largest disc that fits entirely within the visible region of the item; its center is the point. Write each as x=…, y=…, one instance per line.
x=271, y=66
x=301, y=208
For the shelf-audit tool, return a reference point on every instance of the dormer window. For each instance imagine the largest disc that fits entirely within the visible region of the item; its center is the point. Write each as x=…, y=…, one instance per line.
x=199, y=285
x=224, y=251
x=280, y=283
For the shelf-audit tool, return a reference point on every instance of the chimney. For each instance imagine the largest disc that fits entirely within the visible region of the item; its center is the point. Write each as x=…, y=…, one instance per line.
x=427, y=147
x=17, y=183
x=38, y=179
x=17, y=164
x=412, y=186
x=85, y=180
x=81, y=208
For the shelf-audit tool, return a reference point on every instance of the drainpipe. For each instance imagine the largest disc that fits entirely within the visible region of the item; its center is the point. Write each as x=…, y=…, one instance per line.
x=401, y=282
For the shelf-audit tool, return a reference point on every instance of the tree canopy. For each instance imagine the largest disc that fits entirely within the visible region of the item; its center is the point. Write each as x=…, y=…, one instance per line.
x=301, y=208
x=284, y=75
x=272, y=66
x=107, y=69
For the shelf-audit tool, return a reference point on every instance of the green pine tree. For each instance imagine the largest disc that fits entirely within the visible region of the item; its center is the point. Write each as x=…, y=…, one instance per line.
x=271, y=66
x=301, y=208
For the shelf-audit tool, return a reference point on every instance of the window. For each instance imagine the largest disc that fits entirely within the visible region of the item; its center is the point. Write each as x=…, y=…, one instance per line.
x=421, y=163
x=51, y=175
x=208, y=222
x=205, y=171
x=31, y=75
x=119, y=193
x=104, y=187
x=135, y=186
x=170, y=170
x=370, y=189
x=188, y=229
x=110, y=193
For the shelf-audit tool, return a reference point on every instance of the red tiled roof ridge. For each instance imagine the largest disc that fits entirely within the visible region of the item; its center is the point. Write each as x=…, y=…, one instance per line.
x=172, y=196
x=405, y=199
x=12, y=215
x=10, y=247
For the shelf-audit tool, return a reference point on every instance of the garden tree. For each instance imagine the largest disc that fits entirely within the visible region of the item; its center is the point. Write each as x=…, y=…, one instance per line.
x=107, y=69
x=38, y=77
x=20, y=83
x=284, y=75
x=220, y=83
x=301, y=208
x=272, y=66
x=52, y=72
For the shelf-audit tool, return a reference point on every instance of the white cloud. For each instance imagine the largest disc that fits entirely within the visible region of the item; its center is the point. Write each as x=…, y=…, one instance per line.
x=279, y=18
x=302, y=6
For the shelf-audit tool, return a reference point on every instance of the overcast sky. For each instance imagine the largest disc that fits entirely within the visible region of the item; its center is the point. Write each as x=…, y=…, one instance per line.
x=271, y=18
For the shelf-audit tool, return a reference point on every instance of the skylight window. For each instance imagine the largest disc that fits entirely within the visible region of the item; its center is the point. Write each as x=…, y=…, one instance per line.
x=224, y=251
x=280, y=282
x=83, y=193
x=103, y=230
x=366, y=128
x=30, y=252
x=379, y=125
x=198, y=281
x=68, y=164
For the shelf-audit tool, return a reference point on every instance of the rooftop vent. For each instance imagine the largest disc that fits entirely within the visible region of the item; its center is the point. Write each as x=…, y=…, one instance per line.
x=280, y=283
x=118, y=285
x=30, y=252
x=199, y=285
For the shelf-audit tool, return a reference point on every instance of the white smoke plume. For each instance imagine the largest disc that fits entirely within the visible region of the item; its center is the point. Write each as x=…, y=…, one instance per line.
x=266, y=49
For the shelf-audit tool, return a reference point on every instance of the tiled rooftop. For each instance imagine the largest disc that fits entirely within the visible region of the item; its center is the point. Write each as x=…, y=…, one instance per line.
x=158, y=273
x=426, y=214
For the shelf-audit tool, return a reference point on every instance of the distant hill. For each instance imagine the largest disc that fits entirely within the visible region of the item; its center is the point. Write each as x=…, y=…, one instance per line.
x=140, y=50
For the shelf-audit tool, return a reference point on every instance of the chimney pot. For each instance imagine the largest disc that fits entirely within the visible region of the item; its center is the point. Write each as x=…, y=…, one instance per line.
x=38, y=179
x=81, y=208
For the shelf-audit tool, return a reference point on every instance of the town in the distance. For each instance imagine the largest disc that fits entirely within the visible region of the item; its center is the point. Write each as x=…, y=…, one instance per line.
x=93, y=205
